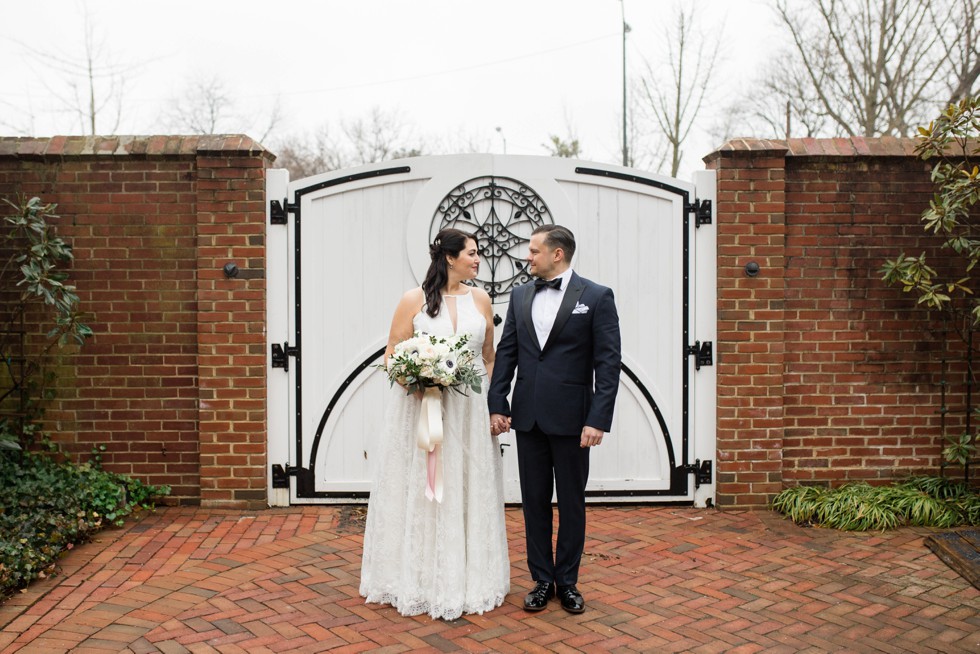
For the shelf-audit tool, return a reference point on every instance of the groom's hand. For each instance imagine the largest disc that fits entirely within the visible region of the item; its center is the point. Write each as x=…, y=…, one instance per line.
x=499, y=423
x=591, y=437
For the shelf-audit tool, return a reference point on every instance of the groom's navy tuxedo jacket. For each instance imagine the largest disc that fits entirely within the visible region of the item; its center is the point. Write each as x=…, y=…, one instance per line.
x=569, y=382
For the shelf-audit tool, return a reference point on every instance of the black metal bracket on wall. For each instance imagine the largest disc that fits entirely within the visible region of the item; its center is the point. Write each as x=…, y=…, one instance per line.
x=701, y=210
x=278, y=211
x=281, y=354
x=702, y=471
x=703, y=353
x=281, y=475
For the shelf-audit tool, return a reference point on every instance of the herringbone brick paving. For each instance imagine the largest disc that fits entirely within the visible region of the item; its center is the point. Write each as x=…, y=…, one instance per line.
x=656, y=579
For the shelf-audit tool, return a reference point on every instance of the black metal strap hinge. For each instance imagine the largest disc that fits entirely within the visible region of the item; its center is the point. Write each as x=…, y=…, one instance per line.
x=278, y=211
x=281, y=474
x=702, y=471
x=281, y=354
x=701, y=210
x=703, y=353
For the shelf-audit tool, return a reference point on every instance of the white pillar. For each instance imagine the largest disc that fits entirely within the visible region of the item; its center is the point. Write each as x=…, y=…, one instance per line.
x=704, y=326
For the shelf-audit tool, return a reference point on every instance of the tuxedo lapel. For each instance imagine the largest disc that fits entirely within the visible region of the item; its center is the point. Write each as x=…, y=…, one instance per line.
x=526, y=301
x=575, y=289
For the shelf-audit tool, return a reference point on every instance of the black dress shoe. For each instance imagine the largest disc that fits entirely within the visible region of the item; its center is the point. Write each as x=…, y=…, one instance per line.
x=538, y=598
x=571, y=599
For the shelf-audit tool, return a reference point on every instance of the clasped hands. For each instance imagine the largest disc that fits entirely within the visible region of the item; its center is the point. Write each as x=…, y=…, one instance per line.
x=500, y=423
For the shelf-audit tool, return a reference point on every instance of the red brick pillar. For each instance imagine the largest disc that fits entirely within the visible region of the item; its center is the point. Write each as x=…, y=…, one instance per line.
x=231, y=321
x=750, y=350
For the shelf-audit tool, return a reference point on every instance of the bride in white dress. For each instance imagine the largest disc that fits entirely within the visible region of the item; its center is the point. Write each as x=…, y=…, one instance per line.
x=447, y=557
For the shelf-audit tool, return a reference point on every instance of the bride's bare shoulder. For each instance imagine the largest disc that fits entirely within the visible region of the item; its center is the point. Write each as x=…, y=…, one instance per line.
x=481, y=297
x=411, y=302
x=414, y=295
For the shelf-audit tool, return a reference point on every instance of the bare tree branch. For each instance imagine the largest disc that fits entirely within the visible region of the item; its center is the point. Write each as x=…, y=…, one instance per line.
x=85, y=85
x=377, y=137
x=305, y=156
x=674, y=105
x=202, y=109
x=875, y=67
x=964, y=47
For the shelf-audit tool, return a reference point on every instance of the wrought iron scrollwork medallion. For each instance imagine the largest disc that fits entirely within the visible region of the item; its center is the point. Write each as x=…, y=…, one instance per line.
x=501, y=213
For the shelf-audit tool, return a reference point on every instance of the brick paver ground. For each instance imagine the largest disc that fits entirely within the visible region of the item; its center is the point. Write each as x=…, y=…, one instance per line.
x=657, y=579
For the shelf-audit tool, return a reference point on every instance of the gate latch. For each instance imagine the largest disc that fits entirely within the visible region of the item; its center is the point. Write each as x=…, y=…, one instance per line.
x=281, y=354
x=701, y=470
x=703, y=354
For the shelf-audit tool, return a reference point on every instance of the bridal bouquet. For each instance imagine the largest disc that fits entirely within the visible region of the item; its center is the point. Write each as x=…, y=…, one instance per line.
x=426, y=361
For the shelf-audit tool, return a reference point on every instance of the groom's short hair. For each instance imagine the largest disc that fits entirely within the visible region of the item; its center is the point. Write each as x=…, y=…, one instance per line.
x=558, y=237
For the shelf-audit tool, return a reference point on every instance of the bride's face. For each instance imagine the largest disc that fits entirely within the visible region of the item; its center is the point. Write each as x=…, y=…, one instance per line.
x=467, y=264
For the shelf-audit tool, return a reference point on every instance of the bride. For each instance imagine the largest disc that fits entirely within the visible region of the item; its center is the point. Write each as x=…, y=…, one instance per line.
x=421, y=555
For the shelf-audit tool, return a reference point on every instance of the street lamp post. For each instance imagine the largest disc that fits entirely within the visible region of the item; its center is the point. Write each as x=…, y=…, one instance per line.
x=626, y=29
x=500, y=130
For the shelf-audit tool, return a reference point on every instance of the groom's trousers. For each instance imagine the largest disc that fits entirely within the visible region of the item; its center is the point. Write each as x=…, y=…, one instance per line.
x=547, y=463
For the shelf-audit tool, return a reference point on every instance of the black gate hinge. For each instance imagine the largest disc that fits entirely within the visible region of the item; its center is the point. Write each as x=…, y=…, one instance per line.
x=281, y=354
x=701, y=210
x=281, y=474
x=278, y=211
x=702, y=471
x=703, y=353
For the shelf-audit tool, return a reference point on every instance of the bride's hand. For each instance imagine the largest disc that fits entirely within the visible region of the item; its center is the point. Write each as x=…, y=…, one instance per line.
x=418, y=394
x=499, y=424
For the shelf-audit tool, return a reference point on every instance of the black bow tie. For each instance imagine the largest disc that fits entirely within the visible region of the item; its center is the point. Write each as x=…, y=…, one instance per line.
x=541, y=283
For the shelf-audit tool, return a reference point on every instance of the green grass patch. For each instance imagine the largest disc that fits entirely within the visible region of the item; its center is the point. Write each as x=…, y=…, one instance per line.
x=859, y=506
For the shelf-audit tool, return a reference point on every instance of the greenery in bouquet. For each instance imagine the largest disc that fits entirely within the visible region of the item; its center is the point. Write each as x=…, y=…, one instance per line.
x=426, y=361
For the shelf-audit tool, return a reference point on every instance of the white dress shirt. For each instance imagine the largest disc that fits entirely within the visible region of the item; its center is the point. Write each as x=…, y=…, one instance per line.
x=545, y=306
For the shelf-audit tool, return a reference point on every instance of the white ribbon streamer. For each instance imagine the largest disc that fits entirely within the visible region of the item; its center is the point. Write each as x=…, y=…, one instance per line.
x=429, y=438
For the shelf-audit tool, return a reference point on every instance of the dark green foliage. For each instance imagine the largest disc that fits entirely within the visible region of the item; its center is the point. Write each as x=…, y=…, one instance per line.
x=47, y=507
x=951, y=142
x=39, y=315
x=919, y=501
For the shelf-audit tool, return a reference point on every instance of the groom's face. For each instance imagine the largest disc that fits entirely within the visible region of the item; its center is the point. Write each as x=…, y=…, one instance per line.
x=542, y=260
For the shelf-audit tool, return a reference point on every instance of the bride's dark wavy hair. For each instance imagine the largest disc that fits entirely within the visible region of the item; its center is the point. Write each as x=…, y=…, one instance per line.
x=449, y=241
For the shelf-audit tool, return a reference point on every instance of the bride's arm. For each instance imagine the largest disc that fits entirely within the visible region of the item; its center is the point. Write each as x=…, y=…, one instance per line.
x=486, y=308
x=402, y=323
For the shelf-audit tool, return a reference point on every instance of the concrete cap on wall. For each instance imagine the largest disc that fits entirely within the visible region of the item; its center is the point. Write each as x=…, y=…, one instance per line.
x=854, y=146
x=131, y=146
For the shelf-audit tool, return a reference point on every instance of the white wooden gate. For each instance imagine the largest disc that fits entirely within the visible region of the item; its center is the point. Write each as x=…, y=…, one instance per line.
x=344, y=246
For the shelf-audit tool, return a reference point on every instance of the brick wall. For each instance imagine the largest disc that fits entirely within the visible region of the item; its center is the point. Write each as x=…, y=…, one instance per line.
x=750, y=351
x=173, y=382
x=825, y=373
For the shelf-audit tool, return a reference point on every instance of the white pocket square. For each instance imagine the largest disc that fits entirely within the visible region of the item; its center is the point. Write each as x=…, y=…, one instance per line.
x=580, y=308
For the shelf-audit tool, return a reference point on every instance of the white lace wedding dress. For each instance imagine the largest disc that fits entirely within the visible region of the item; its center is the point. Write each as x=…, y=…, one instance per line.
x=422, y=556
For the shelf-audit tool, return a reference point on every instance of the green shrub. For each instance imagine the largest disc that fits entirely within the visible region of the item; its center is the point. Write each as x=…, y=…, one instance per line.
x=41, y=314
x=858, y=506
x=47, y=507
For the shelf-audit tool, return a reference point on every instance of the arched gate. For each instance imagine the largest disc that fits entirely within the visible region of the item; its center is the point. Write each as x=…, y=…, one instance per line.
x=342, y=247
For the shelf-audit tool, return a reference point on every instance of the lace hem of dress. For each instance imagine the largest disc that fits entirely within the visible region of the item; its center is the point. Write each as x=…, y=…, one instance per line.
x=409, y=608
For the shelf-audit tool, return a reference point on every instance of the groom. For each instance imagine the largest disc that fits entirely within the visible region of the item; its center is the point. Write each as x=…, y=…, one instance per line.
x=562, y=337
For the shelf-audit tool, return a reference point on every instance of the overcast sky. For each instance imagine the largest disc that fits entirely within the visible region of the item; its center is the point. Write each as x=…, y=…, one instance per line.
x=455, y=70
